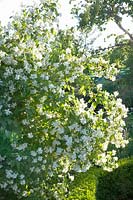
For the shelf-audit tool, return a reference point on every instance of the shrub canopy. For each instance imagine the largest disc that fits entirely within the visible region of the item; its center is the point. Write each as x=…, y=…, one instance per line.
x=54, y=119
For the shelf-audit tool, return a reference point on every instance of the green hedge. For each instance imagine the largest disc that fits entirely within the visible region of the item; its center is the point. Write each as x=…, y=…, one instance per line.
x=84, y=185
x=128, y=151
x=97, y=184
x=117, y=185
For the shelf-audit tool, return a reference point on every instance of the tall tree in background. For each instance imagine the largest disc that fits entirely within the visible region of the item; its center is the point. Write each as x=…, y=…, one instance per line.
x=97, y=13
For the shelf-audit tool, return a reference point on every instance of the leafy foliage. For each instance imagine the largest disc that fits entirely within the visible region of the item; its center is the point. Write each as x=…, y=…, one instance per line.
x=96, y=12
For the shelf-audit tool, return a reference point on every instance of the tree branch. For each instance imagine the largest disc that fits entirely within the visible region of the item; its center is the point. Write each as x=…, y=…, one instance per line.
x=111, y=47
x=122, y=28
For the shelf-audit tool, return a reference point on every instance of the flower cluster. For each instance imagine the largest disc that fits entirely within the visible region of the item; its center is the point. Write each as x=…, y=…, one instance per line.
x=51, y=129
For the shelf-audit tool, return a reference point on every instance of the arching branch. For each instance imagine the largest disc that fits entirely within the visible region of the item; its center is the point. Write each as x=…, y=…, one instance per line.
x=118, y=22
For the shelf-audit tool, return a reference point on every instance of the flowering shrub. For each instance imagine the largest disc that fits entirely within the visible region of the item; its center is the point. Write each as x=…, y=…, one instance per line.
x=50, y=123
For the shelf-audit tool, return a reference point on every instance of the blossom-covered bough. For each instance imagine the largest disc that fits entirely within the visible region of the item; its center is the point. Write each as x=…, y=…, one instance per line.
x=50, y=124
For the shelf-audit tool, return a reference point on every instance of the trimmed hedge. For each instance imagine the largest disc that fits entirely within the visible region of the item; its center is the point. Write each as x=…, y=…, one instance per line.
x=97, y=184
x=84, y=185
x=117, y=185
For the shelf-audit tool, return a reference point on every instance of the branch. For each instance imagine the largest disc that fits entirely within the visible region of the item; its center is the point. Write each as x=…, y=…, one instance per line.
x=111, y=47
x=117, y=20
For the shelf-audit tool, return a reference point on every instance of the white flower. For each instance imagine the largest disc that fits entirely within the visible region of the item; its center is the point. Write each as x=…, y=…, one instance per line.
x=25, y=193
x=22, y=176
x=25, y=157
x=3, y=185
x=95, y=60
x=59, y=150
x=8, y=112
x=12, y=88
x=39, y=150
x=113, y=78
x=34, y=160
x=72, y=78
x=2, y=53
x=77, y=168
x=99, y=86
x=56, y=64
x=11, y=174
x=61, y=130
x=51, y=86
x=66, y=64
x=68, y=51
x=17, y=77
x=19, y=158
x=40, y=158
x=105, y=145
x=9, y=71
x=73, y=156
x=44, y=76
x=33, y=76
x=22, y=182
x=30, y=135
x=68, y=140
x=116, y=93
x=55, y=165
x=74, y=127
x=33, y=153
x=43, y=99
x=25, y=122
x=115, y=158
x=22, y=146
x=71, y=177
x=83, y=120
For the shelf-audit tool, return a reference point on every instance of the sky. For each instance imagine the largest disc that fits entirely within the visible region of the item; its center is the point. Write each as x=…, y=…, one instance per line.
x=8, y=7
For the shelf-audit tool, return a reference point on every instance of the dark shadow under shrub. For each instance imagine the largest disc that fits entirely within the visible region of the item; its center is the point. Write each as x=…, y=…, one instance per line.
x=7, y=195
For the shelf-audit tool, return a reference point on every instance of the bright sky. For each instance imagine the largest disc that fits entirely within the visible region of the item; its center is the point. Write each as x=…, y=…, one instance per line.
x=8, y=7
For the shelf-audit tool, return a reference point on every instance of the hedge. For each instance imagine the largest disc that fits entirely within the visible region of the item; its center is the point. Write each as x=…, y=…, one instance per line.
x=97, y=184
x=117, y=185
